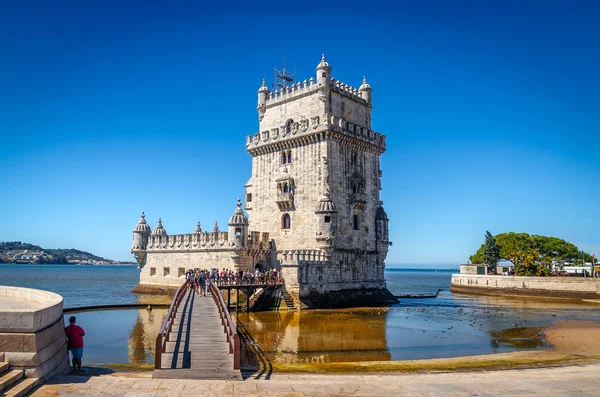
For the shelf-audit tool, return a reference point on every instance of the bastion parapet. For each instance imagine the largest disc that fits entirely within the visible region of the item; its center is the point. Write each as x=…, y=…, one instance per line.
x=32, y=336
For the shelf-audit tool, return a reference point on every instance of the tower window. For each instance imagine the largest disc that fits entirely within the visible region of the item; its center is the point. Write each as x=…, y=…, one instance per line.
x=327, y=219
x=283, y=158
x=289, y=157
x=166, y=271
x=285, y=221
x=238, y=231
x=355, y=222
x=354, y=158
x=248, y=197
x=286, y=188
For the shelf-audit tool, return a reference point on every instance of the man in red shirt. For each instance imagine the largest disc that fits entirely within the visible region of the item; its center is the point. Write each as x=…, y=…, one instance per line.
x=75, y=336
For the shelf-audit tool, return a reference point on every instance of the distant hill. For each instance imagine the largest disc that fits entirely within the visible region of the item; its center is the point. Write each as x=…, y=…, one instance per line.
x=18, y=252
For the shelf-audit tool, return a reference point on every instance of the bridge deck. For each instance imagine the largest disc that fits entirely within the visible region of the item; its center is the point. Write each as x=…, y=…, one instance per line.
x=197, y=347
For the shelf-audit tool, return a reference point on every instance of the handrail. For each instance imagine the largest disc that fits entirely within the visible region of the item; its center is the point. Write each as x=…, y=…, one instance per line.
x=228, y=327
x=163, y=335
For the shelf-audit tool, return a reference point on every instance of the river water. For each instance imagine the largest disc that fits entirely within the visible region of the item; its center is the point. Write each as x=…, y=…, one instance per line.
x=447, y=326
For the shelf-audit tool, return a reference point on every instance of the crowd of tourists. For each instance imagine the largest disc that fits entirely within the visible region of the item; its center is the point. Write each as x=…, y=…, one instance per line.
x=200, y=279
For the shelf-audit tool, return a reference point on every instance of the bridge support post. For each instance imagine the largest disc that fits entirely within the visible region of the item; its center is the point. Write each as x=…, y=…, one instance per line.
x=228, y=298
x=248, y=300
x=237, y=299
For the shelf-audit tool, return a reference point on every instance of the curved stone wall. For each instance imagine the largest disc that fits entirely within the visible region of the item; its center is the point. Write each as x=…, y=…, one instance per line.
x=32, y=335
x=552, y=287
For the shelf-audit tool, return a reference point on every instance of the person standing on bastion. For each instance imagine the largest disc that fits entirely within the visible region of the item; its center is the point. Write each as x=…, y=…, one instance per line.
x=75, y=336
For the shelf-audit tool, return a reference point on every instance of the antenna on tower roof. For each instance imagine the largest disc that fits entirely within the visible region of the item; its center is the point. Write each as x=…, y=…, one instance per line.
x=284, y=77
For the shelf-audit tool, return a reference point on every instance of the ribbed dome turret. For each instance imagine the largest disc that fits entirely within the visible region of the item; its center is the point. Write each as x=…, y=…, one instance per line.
x=323, y=65
x=159, y=230
x=325, y=203
x=238, y=217
x=380, y=214
x=364, y=86
x=263, y=87
x=142, y=226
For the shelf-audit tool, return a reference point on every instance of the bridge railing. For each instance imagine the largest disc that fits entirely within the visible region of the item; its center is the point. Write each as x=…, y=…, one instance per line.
x=228, y=326
x=163, y=335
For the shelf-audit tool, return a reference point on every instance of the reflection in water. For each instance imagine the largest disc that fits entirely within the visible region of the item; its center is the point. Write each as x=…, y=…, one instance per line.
x=142, y=339
x=120, y=336
x=315, y=336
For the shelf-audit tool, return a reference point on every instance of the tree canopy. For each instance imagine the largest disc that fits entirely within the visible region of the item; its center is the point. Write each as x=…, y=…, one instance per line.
x=531, y=254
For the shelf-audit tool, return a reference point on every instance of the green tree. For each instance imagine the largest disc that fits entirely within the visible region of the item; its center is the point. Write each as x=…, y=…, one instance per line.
x=531, y=254
x=491, y=252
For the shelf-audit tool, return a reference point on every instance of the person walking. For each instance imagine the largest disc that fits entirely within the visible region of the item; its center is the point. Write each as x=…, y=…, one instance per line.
x=206, y=284
x=202, y=283
x=75, y=336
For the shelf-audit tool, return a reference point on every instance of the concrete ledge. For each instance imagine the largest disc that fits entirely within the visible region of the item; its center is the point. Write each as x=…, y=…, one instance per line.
x=550, y=287
x=32, y=335
x=42, y=309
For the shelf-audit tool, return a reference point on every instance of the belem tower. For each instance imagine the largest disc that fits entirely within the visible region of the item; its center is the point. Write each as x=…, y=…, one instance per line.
x=312, y=203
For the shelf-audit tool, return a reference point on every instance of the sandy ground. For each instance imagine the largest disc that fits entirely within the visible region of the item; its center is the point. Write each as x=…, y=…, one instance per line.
x=571, y=367
x=575, y=338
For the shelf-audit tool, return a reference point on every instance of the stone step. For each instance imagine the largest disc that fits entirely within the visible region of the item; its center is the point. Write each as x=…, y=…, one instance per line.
x=9, y=378
x=23, y=387
x=3, y=367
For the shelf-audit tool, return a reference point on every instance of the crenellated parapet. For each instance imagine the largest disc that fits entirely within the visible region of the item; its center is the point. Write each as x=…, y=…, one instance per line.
x=191, y=241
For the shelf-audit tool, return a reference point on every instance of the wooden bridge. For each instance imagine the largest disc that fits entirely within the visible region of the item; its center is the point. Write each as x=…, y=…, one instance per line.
x=198, y=339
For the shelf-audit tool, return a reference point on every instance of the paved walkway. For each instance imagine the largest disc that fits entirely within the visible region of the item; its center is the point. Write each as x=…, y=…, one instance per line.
x=562, y=381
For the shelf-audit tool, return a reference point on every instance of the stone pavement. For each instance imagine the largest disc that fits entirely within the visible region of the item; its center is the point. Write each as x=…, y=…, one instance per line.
x=559, y=381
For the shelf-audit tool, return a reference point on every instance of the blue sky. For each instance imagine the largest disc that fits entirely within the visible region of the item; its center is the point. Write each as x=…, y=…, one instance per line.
x=492, y=112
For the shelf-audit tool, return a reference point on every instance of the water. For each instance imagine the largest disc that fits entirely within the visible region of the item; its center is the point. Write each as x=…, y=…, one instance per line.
x=79, y=285
x=447, y=326
x=120, y=336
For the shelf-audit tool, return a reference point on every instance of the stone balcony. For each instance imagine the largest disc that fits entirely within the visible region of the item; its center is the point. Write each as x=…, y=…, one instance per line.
x=285, y=200
x=358, y=200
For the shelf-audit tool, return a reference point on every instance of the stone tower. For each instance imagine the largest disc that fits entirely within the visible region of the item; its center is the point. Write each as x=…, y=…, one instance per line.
x=315, y=189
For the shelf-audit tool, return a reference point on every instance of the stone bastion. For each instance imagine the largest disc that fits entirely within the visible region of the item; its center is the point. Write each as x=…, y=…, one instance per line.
x=550, y=287
x=32, y=335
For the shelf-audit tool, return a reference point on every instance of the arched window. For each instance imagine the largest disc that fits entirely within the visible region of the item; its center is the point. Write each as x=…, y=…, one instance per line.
x=285, y=221
x=283, y=158
x=289, y=157
x=354, y=188
x=355, y=222
x=286, y=188
x=354, y=158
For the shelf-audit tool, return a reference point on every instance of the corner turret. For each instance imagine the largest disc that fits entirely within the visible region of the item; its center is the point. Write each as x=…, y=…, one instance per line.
x=366, y=91
x=238, y=227
x=382, y=231
x=263, y=95
x=141, y=232
x=323, y=72
x=326, y=222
